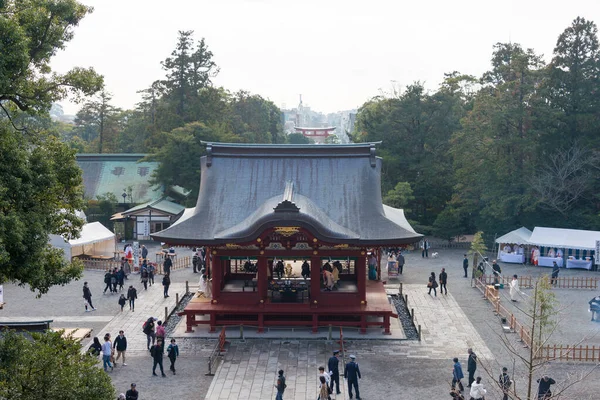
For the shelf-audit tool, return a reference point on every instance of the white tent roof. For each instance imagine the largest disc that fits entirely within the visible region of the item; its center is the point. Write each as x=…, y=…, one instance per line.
x=93, y=232
x=518, y=236
x=564, y=238
x=396, y=215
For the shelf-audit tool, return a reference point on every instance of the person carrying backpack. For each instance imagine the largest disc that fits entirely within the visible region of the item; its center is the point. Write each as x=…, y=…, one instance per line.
x=148, y=329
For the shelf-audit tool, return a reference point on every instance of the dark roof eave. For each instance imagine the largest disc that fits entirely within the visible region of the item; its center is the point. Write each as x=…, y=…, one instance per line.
x=354, y=242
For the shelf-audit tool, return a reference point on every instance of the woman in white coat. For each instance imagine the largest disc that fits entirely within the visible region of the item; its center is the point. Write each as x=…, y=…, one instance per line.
x=477, y=391
x=515, y=291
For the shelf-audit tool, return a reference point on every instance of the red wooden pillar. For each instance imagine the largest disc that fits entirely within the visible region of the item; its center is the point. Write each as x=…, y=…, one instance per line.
x=315, y=280
x=216, y=279
x=213, y=322
x=190, y=319
x=386, y=325
x=261, y=323
x=363, y=324
x=361, y=277
x=262, y=278
x=315, y=323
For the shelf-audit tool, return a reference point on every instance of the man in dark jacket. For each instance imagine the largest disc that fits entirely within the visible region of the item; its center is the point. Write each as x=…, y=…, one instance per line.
x=120, y=344
x=107, y=277
x=166, y=283
x=544, y=391
x=595, y=307
x=505, y=382
x=280, y=386
x=471, y=366
x=144, y=252
x=443, y=281
x=131, y=296
x=496, y=271
x=156, y=351
x=352, y=374
x=334, y=370
x=401, y=262
x=132, y=394
x=555, y=271
x=466, y=265
x=87, y=295
x=457, y=375
x=167, y=264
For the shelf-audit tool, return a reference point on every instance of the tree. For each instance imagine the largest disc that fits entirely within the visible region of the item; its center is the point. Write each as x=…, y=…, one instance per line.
x=31, y=31
x=478, y=248
x=40, y=182
x=98, y=121
x=574, y=84
x=297, y=138
x=400, y=196
x=28, y=369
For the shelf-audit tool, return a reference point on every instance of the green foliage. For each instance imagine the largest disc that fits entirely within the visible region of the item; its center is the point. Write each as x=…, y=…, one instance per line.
x=102, y=209
x=40, y=190
x=31, y=32
x=46, y=366
x=98, y=123
x=400, y=197
x=40, y=183
x=297, y=138
x=478, y=244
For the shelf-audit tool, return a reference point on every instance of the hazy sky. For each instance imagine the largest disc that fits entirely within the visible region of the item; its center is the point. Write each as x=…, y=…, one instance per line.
x=337, y=54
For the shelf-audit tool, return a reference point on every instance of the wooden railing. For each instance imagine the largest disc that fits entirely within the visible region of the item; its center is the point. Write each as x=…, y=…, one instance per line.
x=101, y=265
x=547, y=352
x=524, y=281
x=575, y=282
x=569, y=353
x=565, y=282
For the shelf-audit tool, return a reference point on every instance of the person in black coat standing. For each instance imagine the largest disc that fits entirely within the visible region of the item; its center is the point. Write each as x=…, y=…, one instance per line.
x=167, y=264
x=334, y=370
x=352, y=374
x=544, y=391
x=166, y=283
x=443, y=281
x=401, y=262
x=471, y=366
x=466, y=265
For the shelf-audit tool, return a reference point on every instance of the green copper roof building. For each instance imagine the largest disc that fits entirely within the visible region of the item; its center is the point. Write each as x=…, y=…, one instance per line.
x=114, y=173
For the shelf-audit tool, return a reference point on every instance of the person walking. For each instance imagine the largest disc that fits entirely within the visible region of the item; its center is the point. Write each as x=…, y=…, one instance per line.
x=514, y=288
x=151, y=272
x=87, y=295
x=504, y=382
x=466, y=265
x=443, y=281
x=173, y=353
x=432, y=284
x=113, y=281
x=132, y=394
x=148, y=329
x=131, y=296
x=544, y=391
x=144, y=252
x=121, y=346
x=122, y=301
x=352, y=375
x=166, y=283
x=471, y=366
x=477, y=391
x=167, y=264
x=401, y=262
x=496, y=270
x=121, y=278
x=334, y=370
x=324, y=375
x=144, y=276
x=555, y=271
x=156, y=351
x=106, y=354
x=95, y=348
x=424, y=248
x=107, y=277
x=280, y=386
x=323, y=389
x=160, y=331
x=457, y=375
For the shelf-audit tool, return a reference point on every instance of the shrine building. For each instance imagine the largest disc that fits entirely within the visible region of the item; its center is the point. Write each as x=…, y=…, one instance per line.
x=307, y=208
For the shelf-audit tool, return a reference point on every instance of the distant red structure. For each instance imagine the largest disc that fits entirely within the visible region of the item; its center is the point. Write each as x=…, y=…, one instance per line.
x=318, y=135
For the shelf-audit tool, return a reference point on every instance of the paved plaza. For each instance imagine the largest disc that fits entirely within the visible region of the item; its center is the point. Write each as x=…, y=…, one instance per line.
x=391, y=368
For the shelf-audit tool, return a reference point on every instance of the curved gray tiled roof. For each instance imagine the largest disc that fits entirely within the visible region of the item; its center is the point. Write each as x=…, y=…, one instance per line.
x=332, y=190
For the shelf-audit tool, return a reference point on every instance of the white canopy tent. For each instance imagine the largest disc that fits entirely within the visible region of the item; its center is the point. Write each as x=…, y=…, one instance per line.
x=95, y=239
x=564, y=238
x=517, y=237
